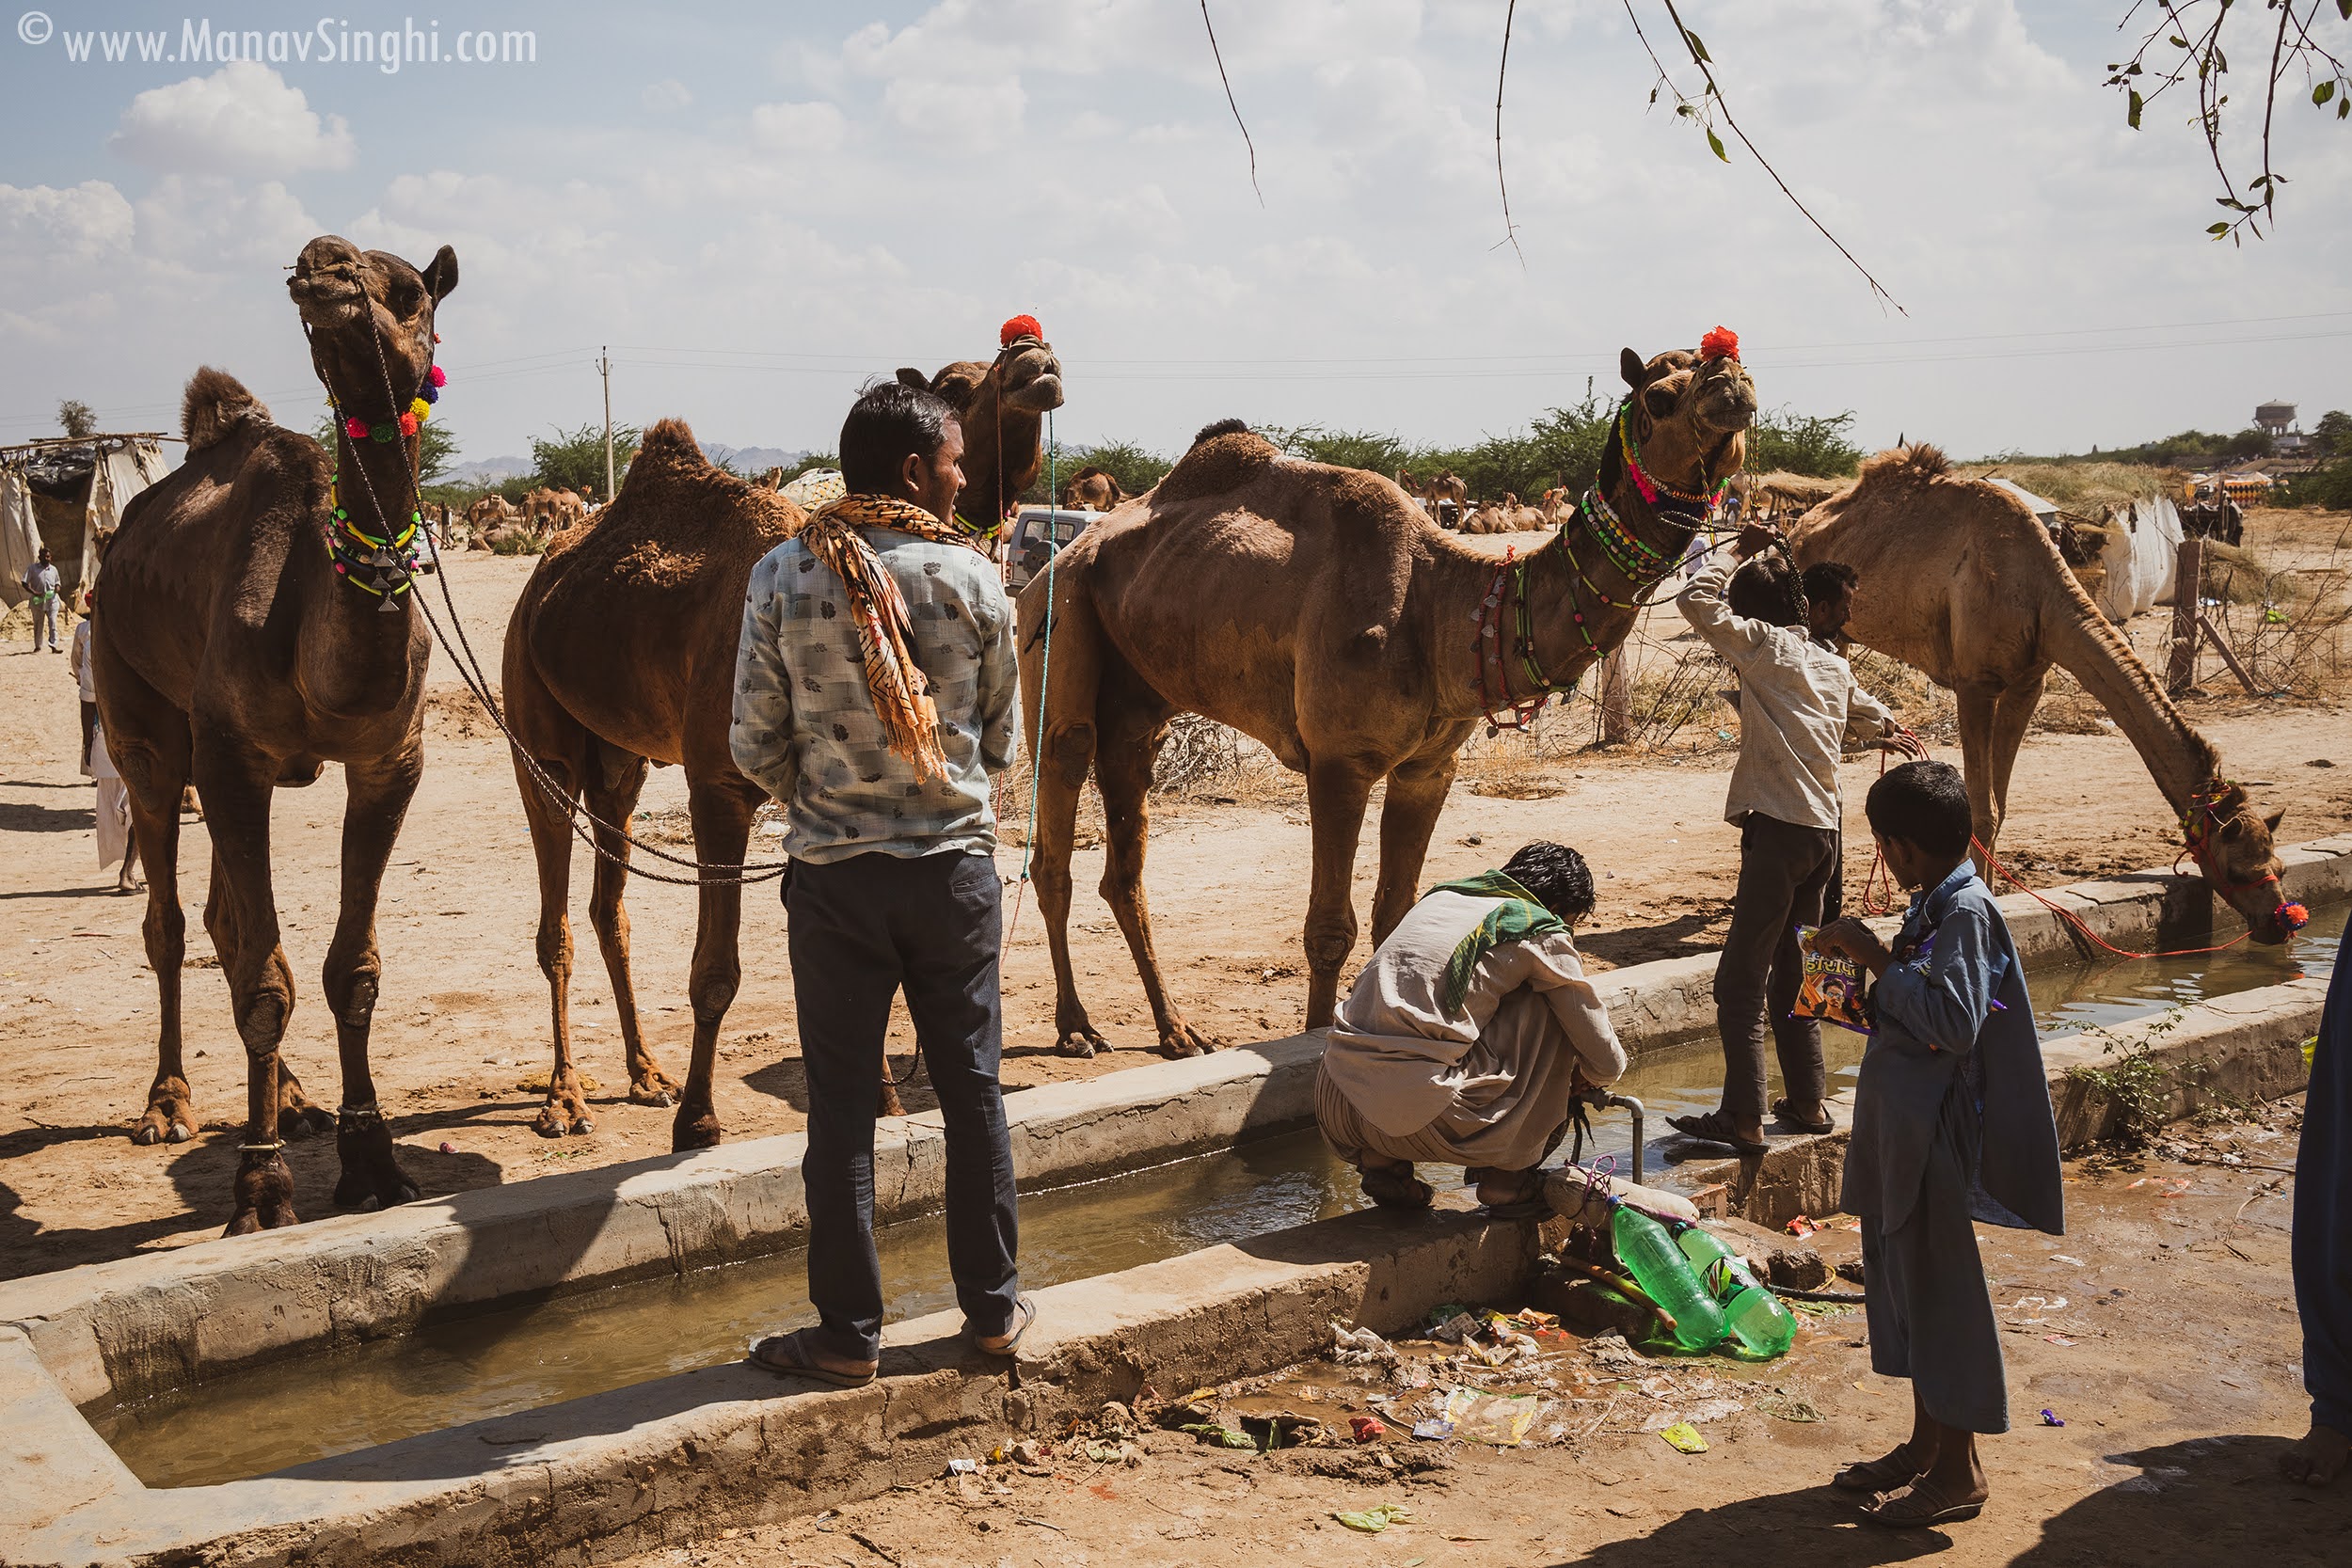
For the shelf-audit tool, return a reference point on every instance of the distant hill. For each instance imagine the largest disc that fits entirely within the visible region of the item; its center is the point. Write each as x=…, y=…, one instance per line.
x=751, y=460
x=488, y=470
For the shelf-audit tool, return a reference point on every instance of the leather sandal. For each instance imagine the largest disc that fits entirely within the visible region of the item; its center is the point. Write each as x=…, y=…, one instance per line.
x=1920, y=1506
x=792, y=1356
x=1024, y=1314
x=1784, y=1112
x=1396, y=1187
x=1711, y=1128
x=1890, y=1474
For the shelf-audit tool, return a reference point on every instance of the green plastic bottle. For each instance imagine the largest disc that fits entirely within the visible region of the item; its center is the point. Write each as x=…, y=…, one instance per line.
x=1754, y=1315
x=1650, y=1255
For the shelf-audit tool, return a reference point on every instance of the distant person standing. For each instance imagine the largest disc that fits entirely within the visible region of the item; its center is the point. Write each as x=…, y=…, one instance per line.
x=40, y=582
x=78, y=662
x=875, y=691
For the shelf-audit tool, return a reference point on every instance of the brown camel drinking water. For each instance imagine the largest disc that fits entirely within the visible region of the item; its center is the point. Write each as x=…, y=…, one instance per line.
x=248, y=635
x=1960, y=580
x=1319, y=610
x=621, y=654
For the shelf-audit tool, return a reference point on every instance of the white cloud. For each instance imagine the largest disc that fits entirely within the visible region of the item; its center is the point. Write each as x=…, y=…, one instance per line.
x=667, y=96
x=80, y=224
x=243, y=118
x=965, y=117
x=798, y=128
x=207, y=222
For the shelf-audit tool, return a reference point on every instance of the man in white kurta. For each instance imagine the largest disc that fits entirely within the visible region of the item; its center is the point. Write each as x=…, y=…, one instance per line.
x=1469, y=1034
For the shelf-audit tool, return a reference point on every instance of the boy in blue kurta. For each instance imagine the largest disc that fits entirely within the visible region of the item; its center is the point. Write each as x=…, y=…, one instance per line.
x=1953, y=1125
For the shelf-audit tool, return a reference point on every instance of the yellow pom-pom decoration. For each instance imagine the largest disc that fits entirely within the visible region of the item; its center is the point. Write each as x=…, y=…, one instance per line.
x=420, y=408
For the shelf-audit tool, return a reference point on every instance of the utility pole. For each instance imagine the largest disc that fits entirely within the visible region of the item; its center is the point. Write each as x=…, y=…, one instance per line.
x=604, y=367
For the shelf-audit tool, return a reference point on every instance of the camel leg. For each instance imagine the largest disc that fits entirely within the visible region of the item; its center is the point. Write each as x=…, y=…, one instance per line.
x=566, y=1107
x=1130, y=744
x=1061, y=752
x=242, y=915
x=2012, y=714
x=1417, y=792
x=723, y=827
x=377, y=802
x=1976, y=705
x=1337, y=793
x=155, y=772
x=612, y=797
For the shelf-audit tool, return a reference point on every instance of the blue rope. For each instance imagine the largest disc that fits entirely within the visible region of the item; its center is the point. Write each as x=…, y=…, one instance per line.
x=1045, y=667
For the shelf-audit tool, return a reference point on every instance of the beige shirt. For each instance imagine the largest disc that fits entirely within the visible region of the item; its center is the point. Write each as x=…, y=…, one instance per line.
x=1400, y=1060
x=1798, y=702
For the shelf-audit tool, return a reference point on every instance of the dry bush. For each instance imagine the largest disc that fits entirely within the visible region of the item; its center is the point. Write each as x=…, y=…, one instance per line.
x=2081, y=485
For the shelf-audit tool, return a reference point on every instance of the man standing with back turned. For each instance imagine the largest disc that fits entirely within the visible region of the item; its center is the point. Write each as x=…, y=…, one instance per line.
x=874, y=694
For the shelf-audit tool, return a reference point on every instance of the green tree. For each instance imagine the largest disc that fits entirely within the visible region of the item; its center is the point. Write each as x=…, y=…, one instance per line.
x=2333, y=433
x=77, y=418
x=1785, y=441
x=574, y=460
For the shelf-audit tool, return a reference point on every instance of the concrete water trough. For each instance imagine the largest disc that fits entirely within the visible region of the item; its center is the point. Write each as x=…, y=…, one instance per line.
x=658, y=1460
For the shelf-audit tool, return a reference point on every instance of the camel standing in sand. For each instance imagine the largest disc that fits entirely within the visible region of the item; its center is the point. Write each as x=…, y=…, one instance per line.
x=1090, y=489
x=1446, y=490
x=1962, y=582
x=621, y=653
x=1316, y=610
x=244, y=642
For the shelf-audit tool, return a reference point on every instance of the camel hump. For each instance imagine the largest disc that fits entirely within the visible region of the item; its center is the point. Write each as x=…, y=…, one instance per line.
x=1917, y=461
x=215, y=405
x=668, y=445
x=1225, y=455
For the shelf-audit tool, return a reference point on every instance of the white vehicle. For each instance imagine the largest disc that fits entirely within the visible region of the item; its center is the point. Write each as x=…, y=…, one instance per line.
x=1039, y=534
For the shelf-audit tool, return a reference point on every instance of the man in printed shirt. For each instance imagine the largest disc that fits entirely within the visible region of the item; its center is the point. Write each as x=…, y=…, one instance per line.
x=1798, y=701
x=874, y=694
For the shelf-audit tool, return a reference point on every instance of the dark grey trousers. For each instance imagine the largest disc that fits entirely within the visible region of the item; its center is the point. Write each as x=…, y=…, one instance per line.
x=860, y=930
x=1784, y=871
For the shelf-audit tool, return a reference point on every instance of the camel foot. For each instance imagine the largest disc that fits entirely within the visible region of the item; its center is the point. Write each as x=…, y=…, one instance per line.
x=264, y=1193
x=1181, y=1039
x=890, y=1104
x=695, y=1129
x=2319, y=1458
x=650, y=1085
x=565, y=1113
x=298, y=1118
x=170, y=1116
x=371, y=1177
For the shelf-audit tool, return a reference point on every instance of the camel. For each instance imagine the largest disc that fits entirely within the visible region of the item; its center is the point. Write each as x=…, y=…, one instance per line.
x=488, y=511
x=1962, y=582
x=1316, y=610
x=1414, y=491
x=621, y=653
x=548, y=512
x=243, y=643
x=1090, y=489
x=1446, y=490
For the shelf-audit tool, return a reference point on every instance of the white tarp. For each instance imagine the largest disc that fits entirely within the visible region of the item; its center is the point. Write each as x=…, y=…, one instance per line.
x=2142, y=555
x=119, y=473
x=20, y=536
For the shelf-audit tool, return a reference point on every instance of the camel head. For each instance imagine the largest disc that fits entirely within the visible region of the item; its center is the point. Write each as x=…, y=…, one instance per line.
x=1002, y=407
x=2236, y=849
x=370, y=318
x=1687, y=416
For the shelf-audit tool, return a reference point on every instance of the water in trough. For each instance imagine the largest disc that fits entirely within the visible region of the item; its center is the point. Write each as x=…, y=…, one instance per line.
x=524, y=1358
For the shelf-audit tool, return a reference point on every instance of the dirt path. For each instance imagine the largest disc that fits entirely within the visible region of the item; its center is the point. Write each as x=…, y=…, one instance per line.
x=2160, y=1330
x=463, y=1020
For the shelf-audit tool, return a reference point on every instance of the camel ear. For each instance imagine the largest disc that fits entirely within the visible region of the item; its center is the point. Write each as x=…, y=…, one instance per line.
x=1630, y=366
x=909, y=376
x=2271, y=822
x=440, y=275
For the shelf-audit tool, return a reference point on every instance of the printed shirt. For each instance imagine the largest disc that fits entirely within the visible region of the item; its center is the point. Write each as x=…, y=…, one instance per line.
x=804, y=727
x=1798, y=701
x=1952, y=1016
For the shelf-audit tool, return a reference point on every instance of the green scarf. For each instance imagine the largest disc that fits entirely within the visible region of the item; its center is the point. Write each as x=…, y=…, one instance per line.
x=1518, y=918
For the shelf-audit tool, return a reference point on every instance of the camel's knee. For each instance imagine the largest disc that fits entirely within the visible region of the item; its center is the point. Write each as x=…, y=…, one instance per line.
x=351, y=986
x=1328, y=939
x=610, y=916
x=166, y=926
x=1070, y=752
x=555, y=947
x=713, y=989
x=262, y=1017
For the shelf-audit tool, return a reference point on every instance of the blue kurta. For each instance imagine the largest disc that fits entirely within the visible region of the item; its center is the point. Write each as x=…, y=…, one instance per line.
x=2323, y=1210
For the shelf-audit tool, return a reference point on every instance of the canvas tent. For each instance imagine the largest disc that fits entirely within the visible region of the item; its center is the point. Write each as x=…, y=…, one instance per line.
x=70, y=495
x=20, y=536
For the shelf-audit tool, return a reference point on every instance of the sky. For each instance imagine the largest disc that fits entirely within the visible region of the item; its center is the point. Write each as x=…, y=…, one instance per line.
x=759, y=207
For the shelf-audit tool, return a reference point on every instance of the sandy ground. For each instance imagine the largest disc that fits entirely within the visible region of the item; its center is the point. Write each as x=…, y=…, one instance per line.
x=462, y=1021
x=2160, y=1330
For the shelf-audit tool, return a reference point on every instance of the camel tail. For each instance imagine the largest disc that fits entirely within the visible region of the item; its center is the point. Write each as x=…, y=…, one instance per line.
x=215, y=405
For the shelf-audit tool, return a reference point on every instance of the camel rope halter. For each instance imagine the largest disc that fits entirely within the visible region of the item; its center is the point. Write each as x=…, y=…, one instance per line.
x=2202, y=823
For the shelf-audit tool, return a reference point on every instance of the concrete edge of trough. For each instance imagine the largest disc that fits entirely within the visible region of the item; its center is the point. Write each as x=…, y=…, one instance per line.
x=657, y=1463
x=2243, y=1047
x=139, y=1324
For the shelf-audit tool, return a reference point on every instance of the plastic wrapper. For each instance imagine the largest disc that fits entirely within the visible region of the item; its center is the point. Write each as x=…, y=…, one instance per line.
x=1835, y=988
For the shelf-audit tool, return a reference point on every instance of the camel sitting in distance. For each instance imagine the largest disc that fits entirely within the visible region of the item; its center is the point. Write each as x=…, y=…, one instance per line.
x=250, y=632
x=621, y=654
x=1317, y=610
x=1090, y=489
x=1960, y=580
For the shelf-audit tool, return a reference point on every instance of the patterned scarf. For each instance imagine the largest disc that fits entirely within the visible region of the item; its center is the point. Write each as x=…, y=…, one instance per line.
x=1517, y=918
x=886, y=631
